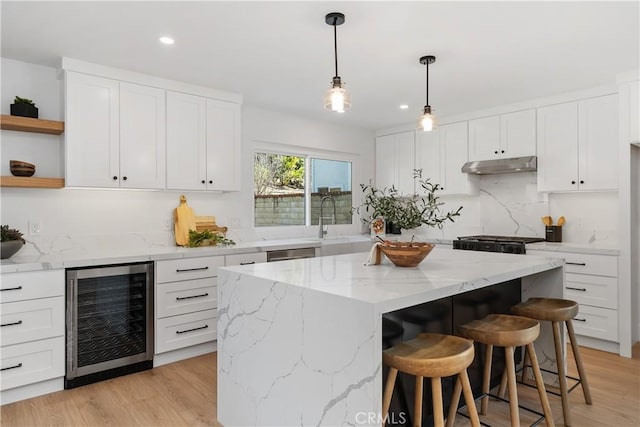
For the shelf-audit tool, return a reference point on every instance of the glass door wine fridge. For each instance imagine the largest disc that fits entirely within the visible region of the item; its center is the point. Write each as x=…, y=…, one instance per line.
x=109, y=322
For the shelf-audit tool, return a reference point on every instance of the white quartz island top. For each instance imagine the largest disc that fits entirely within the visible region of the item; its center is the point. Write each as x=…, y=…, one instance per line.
x=300, y=342
x=443, y=273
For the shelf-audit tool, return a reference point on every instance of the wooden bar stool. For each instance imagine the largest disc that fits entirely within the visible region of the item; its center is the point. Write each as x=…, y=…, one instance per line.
x=502, y=330
x=557, y=311
x=433, y=356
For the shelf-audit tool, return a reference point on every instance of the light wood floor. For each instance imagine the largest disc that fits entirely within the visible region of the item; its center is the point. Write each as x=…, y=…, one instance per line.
x=184, y=394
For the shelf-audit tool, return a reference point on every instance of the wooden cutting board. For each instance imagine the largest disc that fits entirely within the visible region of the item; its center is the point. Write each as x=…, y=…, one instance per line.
x=183, y=220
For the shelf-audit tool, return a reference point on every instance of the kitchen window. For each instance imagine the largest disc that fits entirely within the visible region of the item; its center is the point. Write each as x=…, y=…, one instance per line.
x=289, y=189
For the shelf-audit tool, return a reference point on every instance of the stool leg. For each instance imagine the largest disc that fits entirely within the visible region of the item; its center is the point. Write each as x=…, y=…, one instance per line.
x=502, y=390
x=562, y=375
x=468, y=397
x=417, y=418
x=548, y=416
x=525, y=364
x=486, y=379
x=436, y=398
x=455, y=400
x=513, y=391
x=576, y=355
x=388, y=392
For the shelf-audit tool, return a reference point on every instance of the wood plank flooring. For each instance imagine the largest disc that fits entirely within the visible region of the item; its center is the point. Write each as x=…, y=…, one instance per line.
x=184, y=394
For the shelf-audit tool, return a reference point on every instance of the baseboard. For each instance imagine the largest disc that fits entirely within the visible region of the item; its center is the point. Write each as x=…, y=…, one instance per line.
x=31, y=390
x=184, y=353
x=598, y=344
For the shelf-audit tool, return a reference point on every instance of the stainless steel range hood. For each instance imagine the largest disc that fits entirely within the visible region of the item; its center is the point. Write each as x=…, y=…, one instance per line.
x=516, y=164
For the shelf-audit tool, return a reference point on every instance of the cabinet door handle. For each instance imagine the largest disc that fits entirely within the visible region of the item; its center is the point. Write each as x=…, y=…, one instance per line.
x=19, y=365
x=579, y=320
x=191, y=269
x=573, y=182
x=576, y=263
x=247, y=263
x=203, y=181
x=19, y=322
x=115, y=178
x=576, y=289
x=17, y=288
x=502, y=151
x=191, y=330
x=192, y=296
x=210, y=181
x=495, y=152
x=581, y=181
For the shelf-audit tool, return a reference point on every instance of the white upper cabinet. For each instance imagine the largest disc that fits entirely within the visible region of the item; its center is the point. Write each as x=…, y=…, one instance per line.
x=142, y=137
x=92, y=142
x=186, y=142
x=441, y=154
x=223, y=146
x=395, y=161
x=115, y=133
x=577, y=145
x=634, y=112
x=504, y=136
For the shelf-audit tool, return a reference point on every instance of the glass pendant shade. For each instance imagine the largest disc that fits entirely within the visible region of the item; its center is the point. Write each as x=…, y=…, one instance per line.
x=427, y=121
x=337, y=97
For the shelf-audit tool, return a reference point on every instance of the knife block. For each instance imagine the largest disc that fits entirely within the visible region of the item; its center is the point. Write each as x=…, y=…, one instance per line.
x=553, y=233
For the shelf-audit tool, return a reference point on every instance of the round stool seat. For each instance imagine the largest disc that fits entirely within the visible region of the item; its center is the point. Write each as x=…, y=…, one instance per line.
x=502, y=330
x=551, y=309
x=431, y=355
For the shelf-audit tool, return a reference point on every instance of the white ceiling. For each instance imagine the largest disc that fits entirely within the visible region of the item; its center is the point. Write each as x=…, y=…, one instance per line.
x=279, y=55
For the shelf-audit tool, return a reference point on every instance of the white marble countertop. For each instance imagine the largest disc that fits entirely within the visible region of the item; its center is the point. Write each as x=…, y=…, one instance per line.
x=103, y=255
x=443, y=273
x=577, y=248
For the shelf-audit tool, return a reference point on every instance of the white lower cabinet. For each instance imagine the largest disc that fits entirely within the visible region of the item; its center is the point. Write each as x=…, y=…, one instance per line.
x=186, y=302
x=32, y=332
x=592, y=281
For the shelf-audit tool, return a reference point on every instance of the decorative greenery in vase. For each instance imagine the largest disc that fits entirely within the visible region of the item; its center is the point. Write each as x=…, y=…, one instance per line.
x=406, y=212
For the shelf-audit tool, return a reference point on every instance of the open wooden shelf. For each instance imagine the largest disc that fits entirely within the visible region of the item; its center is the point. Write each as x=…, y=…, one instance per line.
x=27, y=124
x=31, y=182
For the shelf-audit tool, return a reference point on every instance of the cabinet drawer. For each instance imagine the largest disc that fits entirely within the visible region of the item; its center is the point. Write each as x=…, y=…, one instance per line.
x=24, y=321
x=242, y=259
x=31, y=285
x=187, y=268
x=600, y=265
x=597, y=322
x=177, y=332
x=32, y=362
x=186, y=297
x=596, y=291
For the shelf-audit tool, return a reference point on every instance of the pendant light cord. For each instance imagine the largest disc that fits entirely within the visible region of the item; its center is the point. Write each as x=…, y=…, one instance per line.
x=427, y=74
x=335, y=43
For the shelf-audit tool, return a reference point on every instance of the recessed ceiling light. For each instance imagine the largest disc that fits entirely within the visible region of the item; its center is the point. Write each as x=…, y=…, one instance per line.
x=166, y=40
x=404, y=106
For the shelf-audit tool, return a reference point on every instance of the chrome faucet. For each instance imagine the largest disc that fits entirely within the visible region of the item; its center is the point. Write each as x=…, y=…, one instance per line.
x=321, y=230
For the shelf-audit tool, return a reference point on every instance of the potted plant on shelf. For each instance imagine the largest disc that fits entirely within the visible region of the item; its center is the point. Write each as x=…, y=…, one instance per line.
x=405, y=212
x=24, y=107
x=11, y=241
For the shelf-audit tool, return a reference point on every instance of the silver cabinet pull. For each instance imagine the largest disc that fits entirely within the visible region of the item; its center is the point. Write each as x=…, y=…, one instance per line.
x=192, y=296
x=17, y=288
x=191, y=269
x=579, y=320
x=576, y=289
x=19, y=322
x=19, y=365
x=576, y=263
x=191, y=330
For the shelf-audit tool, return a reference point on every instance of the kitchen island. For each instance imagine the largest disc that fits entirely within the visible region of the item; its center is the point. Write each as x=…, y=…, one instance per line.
x=299, y=342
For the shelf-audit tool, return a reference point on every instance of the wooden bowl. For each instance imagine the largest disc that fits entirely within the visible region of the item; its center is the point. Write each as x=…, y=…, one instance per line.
x=406, y=254
x=20, y=168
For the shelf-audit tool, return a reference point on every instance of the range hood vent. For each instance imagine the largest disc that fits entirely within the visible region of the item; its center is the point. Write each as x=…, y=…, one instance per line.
x=516, y=164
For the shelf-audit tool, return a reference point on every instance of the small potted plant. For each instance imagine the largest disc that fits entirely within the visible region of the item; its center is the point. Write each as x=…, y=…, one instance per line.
x=11, y=241
x=24, y=107
x=405, y=212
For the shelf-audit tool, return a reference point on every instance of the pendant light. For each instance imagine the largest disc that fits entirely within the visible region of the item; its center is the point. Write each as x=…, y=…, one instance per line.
x=427, y=120
x=337, y=98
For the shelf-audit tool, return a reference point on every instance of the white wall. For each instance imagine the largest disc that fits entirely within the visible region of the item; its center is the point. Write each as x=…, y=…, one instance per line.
x=72, y=219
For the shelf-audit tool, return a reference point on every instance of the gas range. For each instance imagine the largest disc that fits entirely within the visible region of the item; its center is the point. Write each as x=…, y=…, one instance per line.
x=504, y=244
